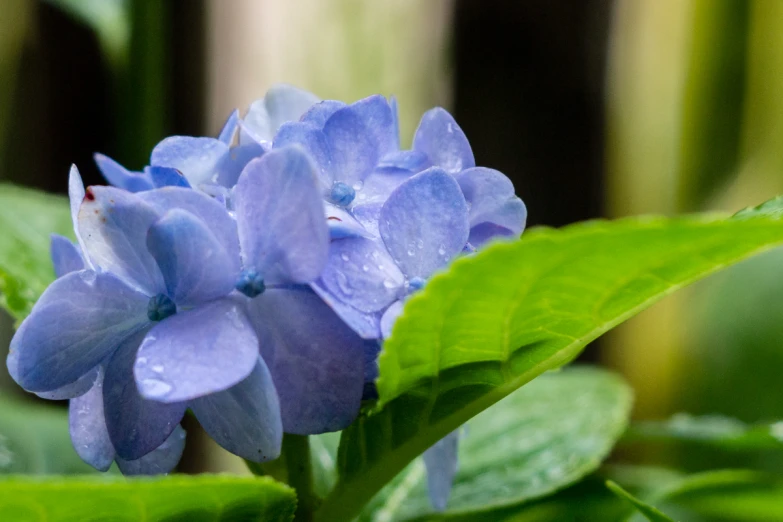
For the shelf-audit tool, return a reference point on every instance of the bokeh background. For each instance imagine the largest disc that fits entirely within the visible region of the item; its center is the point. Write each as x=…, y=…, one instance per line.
x=594, y=108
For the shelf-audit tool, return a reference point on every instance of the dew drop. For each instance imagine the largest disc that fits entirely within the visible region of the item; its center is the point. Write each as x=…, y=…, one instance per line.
x=156, y=388
x=342, y=282
x=365, y=268
x=141, y=360
x=442, y=250
x=358, y=185
x=388, y=283
x=344, y=257
x=157, y=368
x=420, y=244
x=411, y=252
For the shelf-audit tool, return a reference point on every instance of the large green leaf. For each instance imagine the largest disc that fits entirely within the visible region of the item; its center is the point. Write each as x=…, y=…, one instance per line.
x=498, y=319
x=27, y=219
x=177, y=498
x=539, y=439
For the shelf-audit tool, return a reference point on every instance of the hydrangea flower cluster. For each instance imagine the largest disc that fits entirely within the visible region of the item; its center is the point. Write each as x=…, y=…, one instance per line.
x=251, y=278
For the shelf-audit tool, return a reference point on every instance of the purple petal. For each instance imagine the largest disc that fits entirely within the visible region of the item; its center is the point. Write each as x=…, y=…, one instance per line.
x=78, y=321
x=354, y=149
x=76, y=196
x=77, y=388
x=396, y=119
x=235, y=162
x=379, y=120
x=121, y=177
x=342, y=224
x=194, y=264
x=159, y=461
x=195, y=353
x=166, y=177
x=389, y=317
x=196, y=158
x=229, y=128
x=279, y=191
x=315, y=359
x=485, y=232
x=87, y=425
x=320, y=112
x=441, y=462
x=361, y=273
x=136, y=425
x=114, y=224
x=66, y=257
x=208, y=210
x=245, y=419
x=411, y=161
x=424, y=223
x=444, y=143
x=281, y=103
x=379, y=185
x=366, y=325
x=313, y=141
x=368, y=215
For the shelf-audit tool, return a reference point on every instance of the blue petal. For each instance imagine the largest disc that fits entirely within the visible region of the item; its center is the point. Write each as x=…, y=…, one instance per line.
x=211, y=212
x=485, y=232
x=196, y=158
x=66, y=257
x=441, y=462
x=136, y=425
x=320, y=112
x=379, y=120
x=279, y=191
x=492, y=201
x=159, y=461
x=121, y=177
x=87, y=425
x=444, y=143
x=235, y=162
x=379, y=185
x=354, y=148
x=78, y=321
x=342, y=224
x=313, y=141
x=361, y=273
x=281, y=103
x=424, y=223
x=194, y=264
x=229, y=128
x=245, y=419
x=366, y=325
x=194, y=353
x=396, y=119
x=315, y=359
x=76, y=195
x=166, y=177
x=389, y=317
x=77, y=388
x=114, y=225
x=368, y=215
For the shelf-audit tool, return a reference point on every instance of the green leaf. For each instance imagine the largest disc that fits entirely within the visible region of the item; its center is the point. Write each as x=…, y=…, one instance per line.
x=176, y=498
x=650, y=513
x=498, y=319
x=539, y=439
x=34, y=439
x=28, y=218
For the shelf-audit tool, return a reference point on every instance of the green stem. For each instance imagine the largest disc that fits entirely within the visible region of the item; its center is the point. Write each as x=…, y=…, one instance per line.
x=296, y=452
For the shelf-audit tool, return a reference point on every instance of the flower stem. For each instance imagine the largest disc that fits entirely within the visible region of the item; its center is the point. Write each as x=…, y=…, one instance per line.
x=296, y=452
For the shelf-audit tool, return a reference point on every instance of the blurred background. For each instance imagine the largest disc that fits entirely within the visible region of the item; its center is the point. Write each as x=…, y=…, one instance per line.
x=594, y=108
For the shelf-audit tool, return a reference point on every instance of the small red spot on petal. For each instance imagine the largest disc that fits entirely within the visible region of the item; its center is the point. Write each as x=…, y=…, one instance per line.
x=334, y=218
x=97, y=211
x=88, y=195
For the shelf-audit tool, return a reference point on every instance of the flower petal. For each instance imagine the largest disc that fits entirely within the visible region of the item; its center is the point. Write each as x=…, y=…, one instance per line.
x=280, y=217
x=411, y=161
x=195, y=353
x=87, y=425
x=281, y=103
x=76, y=389
x=244, y=419
x=136, y=425
x=194, y=264
x=159, y=461
x=441, y=462
x=424, y=223
x=389, y=317
x=66, y=257
x=444, y=143
x=121, y=177
x=166, y=177
x=313, y=141
x=354, y=148
x=196, y=158
x=366, y=325
x=361, y=273
x=315, y=359
x=114, y=224
x=76, y=196
x=342, y=224
x=321, y=111
x=229, y=128
x=78, y=321
x=235, y=162
x=491, y=197
x=377, y=116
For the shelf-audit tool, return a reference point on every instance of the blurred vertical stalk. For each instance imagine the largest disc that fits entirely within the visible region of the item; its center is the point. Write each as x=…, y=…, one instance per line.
x=14, y=24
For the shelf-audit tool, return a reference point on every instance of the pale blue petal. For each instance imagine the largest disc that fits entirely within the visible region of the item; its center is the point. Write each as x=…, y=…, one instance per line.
x=159, y=461
x=361, y=273
x=229, y=128
x=319, y=113
x=379, y=185
x=66, y=257
x=389, y=317
x=354, y=149
x=424, y=223
x=379, y=120
x=441, y=462
x=281, y=103
x=280, y=217
x=78, y=321
x=136, y=425
x=366, y=325
x=235, y=162
x=194, y=264
x=368, y=215
x=342, y=224
x=444, y=143
x=75, y=389
x=114, y=225
x=194, y=353
x=315, y=359
x=76, y=195
x=396, y=118
x=411, y=161
x=313, y=141
x=245, y=419
x=196, y=158
x=121, y=177
x=87, y=426
x=166, y=177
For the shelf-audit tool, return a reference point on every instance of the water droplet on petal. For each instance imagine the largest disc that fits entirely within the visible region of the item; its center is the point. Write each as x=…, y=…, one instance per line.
x=365, y=268
x=358, y=185
x=156, y=388
x=342, y=282
x=157, y=368
x=411, y=253
x=388, y=283
x=344, y=257
x=141, y=360
x=441, y=250
x=420, y=244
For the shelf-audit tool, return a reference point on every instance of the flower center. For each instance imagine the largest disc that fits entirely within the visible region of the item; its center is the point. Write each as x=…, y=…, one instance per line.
x=342, y=194
x=250, y=283
x=160, y=307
